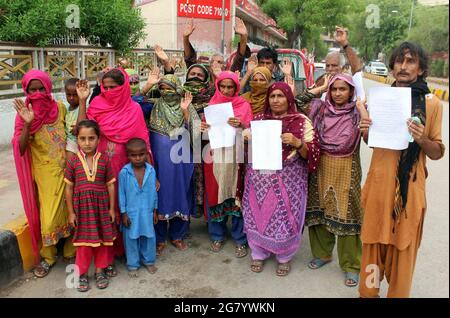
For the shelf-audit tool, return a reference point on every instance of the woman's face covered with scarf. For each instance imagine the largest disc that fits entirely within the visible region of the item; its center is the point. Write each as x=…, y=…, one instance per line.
x=35, y=86
x=196, y=74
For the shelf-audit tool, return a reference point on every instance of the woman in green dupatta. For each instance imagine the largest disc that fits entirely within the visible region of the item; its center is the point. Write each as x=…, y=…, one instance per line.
x=171, y=131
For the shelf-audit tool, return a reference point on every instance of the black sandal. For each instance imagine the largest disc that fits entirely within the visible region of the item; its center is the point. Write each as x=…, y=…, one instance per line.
x=42, y=269
x=83, y=283
x=110, y=271
x=101, y=280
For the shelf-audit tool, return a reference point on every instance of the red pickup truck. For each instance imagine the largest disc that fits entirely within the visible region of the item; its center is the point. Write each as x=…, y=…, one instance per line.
x=303, y=69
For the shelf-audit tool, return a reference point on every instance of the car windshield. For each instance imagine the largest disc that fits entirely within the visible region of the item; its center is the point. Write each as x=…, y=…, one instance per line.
x=378, y=64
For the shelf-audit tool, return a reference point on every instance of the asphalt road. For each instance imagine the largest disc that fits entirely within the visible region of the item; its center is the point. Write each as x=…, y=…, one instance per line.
x=197, y=272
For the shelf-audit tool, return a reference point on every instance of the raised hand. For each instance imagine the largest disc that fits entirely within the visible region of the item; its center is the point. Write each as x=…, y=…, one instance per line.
x=83, y=90
x=290, y=81
x=240, y=28
x=153, y=77
x=186, y=101
x=162, y=56
x=252, y=63
x=25, y=112
x=341, y=36
x=216, y=68
x=286, y=66
x=189, y=28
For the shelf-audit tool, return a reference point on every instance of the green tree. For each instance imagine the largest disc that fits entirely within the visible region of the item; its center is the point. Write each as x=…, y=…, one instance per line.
x=300, y=18
x=372, y=38
x=37, y=22
x=430, y=28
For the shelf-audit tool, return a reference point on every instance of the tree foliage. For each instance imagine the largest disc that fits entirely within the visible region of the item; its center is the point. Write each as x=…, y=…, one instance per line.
x=300, y=18
x=430, y=28
x=113, y=22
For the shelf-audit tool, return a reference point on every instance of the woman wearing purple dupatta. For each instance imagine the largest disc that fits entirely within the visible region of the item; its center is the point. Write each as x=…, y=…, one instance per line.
x=334, y=207
x=274, y=204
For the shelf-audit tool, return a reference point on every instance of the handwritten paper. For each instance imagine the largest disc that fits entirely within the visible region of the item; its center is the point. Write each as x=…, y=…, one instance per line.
x=221, y=134
x=389, y=109
x=266, y=145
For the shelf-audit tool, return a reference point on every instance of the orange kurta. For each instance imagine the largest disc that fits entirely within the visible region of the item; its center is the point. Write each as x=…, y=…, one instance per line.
x=379, y=190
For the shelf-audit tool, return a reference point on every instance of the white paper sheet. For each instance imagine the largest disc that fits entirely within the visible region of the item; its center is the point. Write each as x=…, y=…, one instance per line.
x=389, y=109
x=266, y=145
x=221, y=134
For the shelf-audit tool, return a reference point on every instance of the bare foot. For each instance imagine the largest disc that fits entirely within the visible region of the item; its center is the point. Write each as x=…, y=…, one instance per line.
x=151, y=268
x=133, y=273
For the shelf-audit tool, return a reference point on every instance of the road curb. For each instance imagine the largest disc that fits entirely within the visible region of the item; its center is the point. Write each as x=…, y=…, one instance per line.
x=10, y=258
x=442, y=94
x=16, y=252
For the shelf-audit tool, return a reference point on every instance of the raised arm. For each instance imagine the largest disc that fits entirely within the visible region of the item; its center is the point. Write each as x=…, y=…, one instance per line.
x=83, y=92
x=27, y=114
x=164, y=58
x=190, y=56
x=243, y=50
x=342, y=38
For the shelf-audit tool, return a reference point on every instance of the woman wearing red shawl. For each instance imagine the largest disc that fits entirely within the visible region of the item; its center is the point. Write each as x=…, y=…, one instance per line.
x=120, y=119
x=334, y=207
x=274, y=204
x=221, y=179
x=38, y=144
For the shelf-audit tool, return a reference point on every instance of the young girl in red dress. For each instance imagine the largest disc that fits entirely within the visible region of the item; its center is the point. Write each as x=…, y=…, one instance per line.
x=90, y=201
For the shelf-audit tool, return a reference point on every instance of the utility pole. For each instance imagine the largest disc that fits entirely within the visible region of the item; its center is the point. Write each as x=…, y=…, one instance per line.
x=411, y=16
x=223, y=27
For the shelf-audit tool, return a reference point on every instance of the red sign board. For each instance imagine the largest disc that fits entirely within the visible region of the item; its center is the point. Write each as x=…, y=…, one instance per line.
x=203, y=9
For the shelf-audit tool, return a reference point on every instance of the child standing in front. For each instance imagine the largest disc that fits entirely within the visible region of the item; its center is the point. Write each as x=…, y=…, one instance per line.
x=138, y=201
x=90, y=200
x=70, y=88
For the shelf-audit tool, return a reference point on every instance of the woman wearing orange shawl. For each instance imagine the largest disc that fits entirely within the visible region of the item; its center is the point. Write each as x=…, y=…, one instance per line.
x=39, y=154
x=120, y=119
x=259, y=84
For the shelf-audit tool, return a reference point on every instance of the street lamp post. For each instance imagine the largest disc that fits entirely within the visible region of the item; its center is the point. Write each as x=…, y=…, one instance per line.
x=411, y=16
x=223, y=27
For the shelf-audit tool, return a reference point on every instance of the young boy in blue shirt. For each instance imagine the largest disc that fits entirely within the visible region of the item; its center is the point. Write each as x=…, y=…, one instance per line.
x=138, y=201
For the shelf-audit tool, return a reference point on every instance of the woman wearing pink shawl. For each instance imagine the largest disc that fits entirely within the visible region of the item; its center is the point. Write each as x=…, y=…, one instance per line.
x=221, y=179
x=38, y=144
x=120, y=119
x=334, y=207
x=274, y=204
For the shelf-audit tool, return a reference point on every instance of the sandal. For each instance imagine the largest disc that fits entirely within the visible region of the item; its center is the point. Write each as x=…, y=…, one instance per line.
x=133, y=273
x=257, y=266
x=180, y=244
x=110, y=271
x=216, y=246
x=151, y=268
x=101, y=280
x=42, y=269
x=351, y=279
x=318, y=263
x=83, y=283
x=283, y=269
x=240, y=251
x=159, y=248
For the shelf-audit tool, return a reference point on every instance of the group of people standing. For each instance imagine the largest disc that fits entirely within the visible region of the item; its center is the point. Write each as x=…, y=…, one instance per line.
x=103, y=175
